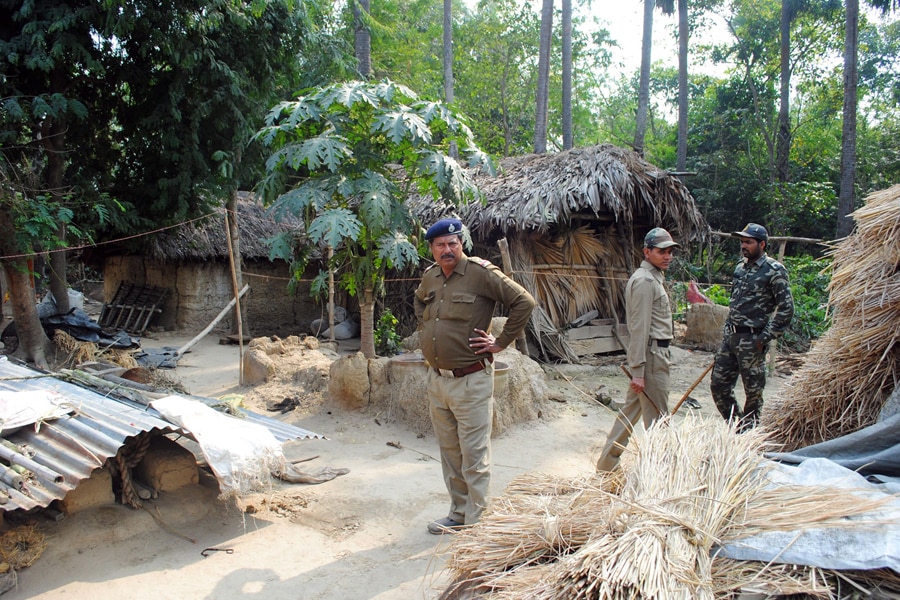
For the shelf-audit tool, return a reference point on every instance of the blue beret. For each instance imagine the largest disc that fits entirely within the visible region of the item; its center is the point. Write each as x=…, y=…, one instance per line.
x=444, y=227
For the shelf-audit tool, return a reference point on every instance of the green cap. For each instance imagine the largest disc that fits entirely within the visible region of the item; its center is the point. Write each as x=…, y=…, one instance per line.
x=659, y=238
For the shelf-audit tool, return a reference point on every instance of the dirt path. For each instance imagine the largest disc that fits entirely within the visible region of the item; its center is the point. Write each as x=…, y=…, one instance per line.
x=359, y=536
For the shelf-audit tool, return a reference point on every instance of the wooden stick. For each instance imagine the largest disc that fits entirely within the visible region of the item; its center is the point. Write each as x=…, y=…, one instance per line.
x=209, y=327
x=237, y=299
x=641, y=393
x=691, y=389
x=521, y=340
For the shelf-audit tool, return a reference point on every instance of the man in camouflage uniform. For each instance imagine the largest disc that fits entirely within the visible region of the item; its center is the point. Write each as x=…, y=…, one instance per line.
x=454, y=305
x=650, y=331
x=760, y=310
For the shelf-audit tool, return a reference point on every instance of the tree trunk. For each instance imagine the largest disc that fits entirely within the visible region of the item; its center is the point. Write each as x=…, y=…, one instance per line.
x=34, y=345
x=367, y=323
x=448, y=63
x=543, y=83
x=783, y=139
x=362, y=39
x=568, y=137
x=53, y=139
x=683, y=33
x=644, y=88
x=846, y=202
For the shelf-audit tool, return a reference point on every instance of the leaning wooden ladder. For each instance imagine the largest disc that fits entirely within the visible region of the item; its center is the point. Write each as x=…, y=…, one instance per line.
x=132, y=307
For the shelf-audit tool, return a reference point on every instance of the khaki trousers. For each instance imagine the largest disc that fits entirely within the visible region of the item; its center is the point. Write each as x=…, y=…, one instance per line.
x=462, y=411
x=656, y=388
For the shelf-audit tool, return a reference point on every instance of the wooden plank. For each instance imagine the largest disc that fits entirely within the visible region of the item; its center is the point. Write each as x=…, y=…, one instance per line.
x=590, y=331
x=596, y=329
x=602, y=345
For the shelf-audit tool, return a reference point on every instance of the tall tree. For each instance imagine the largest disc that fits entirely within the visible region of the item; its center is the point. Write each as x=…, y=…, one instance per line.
x=362, y=38
x=683, y=33
x=568, y=138
x=846, y=196
x=448, y=62
x=542, y=96
x=344, y=158
x=789, y=9
x=643, y=108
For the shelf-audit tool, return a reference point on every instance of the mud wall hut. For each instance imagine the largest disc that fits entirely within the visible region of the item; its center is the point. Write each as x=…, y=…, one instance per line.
x=575, y=223
x=191, y=262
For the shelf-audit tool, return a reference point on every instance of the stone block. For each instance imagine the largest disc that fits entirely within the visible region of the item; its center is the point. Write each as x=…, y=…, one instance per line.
x=167, y=466
x=96, y=490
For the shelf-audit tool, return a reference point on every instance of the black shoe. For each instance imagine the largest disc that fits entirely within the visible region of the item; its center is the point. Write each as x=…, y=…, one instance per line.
x=691, y=403
x=445, y=525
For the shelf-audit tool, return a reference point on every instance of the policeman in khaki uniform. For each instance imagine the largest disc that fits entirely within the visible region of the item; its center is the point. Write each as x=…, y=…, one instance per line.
x=454, y=305
x=760, y=310
x=650, y=328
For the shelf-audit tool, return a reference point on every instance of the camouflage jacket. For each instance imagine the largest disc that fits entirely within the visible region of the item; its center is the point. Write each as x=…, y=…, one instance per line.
x=761, y=298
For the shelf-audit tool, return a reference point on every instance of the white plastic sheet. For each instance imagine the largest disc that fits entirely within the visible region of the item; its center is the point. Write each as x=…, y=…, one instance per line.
x=18, y=409
x=241, y=454
x=870, y=541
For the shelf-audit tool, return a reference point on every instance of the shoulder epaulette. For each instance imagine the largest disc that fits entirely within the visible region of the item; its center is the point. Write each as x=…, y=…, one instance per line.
x=480, y=261
x=430, y=267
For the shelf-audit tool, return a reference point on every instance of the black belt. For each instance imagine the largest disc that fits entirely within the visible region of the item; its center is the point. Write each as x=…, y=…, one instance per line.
x=659, y=343
x=463, y=371
x=739, y=329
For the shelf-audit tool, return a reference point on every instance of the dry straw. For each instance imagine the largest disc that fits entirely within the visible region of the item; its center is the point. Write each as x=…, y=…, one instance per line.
x=850, y=371
x=78, y=352
x=651, y=530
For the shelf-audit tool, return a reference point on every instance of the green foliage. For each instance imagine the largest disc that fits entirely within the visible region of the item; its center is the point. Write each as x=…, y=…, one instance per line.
x=387, y=340
x=334, y=156
x=809, y=286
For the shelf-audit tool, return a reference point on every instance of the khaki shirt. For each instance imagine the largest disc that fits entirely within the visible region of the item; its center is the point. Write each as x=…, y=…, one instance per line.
x=647, y=313
x=449, y=309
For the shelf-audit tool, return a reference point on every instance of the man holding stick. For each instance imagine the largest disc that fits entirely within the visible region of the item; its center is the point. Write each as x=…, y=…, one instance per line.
x=650, y=328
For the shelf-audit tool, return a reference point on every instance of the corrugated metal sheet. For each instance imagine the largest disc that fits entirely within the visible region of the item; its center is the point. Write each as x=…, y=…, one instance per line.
x=67, y=450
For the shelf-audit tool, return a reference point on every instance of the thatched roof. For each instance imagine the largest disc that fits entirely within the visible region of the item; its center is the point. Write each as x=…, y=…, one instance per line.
x=538, y=191
x=204, y=239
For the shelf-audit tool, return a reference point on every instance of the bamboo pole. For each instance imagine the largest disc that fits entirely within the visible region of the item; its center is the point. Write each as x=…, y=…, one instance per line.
x=521, y=340
x=237, y=301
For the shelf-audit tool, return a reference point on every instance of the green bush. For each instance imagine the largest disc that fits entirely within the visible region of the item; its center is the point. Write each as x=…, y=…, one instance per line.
x=387, y=340
x=809, y=287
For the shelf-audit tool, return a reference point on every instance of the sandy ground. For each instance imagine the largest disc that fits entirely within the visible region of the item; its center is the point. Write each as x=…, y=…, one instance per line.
x=359, y=536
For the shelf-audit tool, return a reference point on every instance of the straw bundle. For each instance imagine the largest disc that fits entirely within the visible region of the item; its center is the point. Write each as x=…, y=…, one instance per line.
x=650, y=532
x=78, y=352
x=22, y=546
x=851, y=370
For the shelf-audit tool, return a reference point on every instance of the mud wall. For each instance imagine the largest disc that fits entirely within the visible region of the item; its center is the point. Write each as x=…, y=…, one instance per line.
x=199, y=291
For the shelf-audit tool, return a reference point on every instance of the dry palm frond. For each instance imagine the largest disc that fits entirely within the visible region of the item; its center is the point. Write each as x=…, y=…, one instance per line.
x=851, y=370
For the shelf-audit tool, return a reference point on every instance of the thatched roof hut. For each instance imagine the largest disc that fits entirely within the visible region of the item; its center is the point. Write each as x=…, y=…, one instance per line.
x=575, y=223
x=191, y=261
x=204, y=238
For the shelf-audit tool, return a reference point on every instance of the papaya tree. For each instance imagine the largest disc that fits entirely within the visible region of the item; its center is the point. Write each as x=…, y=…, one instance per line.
x=344, y=157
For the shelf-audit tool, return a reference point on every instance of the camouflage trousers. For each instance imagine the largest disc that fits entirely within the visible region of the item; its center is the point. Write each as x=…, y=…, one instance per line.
x=738, y=356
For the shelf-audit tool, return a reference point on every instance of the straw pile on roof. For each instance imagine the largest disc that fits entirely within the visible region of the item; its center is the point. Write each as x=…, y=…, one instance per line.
x=540, y=191
x=650, y=530
x=851, y=370
x=204, y=239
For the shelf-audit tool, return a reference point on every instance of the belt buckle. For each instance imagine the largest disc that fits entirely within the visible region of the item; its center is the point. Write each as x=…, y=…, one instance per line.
x=446, y=372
